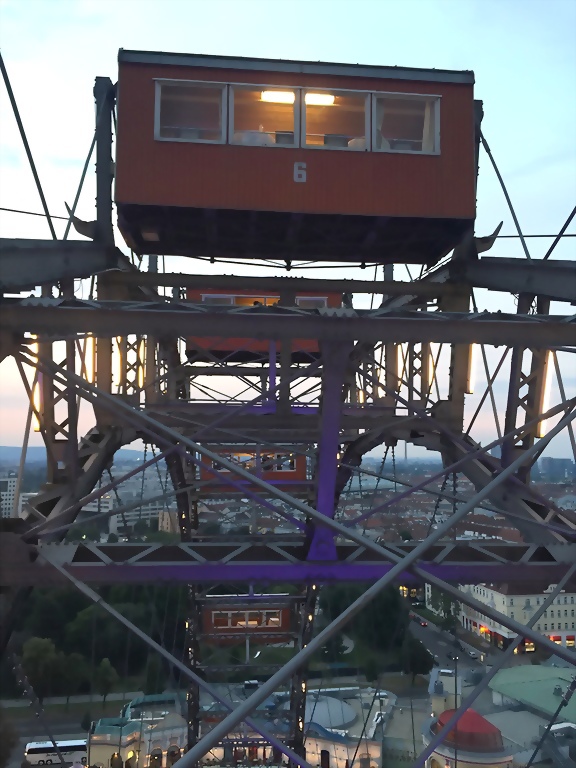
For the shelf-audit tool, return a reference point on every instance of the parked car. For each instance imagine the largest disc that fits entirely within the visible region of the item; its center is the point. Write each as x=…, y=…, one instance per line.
x=473, y=654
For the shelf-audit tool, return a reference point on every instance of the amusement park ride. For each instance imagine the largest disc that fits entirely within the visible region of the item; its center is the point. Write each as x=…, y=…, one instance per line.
x=274, y=388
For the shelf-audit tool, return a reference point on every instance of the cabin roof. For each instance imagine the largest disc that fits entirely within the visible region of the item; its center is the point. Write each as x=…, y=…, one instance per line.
x=296, y=67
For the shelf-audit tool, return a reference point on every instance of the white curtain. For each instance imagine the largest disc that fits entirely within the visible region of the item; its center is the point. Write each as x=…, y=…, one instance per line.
x=429, y=128
x=380, y=141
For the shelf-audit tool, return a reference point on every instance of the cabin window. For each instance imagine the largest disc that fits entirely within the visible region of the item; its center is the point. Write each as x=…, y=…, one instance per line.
x=336, y=120
x=233, y=619
x=256, y=301
x=191, y=112
x=208, y=298
x=285, y=462
x=405, y=124
x=311, y=302
x=278, y=462
x=263, y=117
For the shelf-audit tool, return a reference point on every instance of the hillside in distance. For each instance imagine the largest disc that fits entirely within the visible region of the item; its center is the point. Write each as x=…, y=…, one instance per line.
x=10, y=454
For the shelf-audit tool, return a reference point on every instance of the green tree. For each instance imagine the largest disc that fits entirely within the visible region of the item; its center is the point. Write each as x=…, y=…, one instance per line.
x=71, y=672
x=40, y=662
x=46, y=617
x=141, y=527
x=334, y=649
x=163, y=537
x=112, y=538
x=415, y=657
x=8, y=739
x=371, y=669
x=155, y=678
x=210, y=529
x=446, y=607
x=405, y=535
x=86, y=722
x=106, y=679
x=92, y=629
x=237, y=655
x=381, y=625
x=88, y=531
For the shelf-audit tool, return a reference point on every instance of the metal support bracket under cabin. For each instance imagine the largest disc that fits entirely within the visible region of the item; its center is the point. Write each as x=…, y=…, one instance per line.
x=182, y=475
x=335, y=359
x=530, y=370
x=276, y=560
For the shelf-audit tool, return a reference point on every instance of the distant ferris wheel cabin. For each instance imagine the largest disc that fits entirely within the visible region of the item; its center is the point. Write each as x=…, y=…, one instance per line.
x=254, y=158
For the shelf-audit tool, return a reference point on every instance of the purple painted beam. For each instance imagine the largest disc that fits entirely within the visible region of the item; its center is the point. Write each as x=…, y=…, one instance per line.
x=304, y=572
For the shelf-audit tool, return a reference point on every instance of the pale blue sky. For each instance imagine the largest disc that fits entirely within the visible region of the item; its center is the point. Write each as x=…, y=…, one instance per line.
x=522, y=52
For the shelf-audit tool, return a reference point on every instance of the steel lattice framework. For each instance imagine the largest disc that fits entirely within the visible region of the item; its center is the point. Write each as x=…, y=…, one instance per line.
x=396, y=373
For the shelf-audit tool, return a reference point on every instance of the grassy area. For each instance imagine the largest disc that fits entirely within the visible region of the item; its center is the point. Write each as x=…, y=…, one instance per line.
x=74, y=712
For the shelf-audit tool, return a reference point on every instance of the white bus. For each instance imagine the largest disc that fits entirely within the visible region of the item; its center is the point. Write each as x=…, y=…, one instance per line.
x=43, y=752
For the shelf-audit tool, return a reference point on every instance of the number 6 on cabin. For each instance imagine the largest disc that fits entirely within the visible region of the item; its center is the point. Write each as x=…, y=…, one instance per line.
x=300, y=172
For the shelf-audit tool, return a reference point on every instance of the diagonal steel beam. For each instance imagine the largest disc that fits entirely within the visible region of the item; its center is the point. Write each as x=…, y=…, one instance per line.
x=502, y=659
x=95, y=597
x=38, y=529
x=157, y=428
x=470, y=454
x=401, y=563
x=55, y=318
x=267, y=688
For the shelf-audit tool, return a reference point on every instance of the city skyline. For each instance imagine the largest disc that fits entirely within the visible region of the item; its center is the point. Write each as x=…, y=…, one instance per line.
x=535, y=155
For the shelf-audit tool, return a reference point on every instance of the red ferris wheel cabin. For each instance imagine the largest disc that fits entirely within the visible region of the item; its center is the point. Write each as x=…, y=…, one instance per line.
x=239, y=157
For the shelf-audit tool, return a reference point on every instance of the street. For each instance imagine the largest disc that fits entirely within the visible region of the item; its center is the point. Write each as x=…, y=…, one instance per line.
x=441, y=643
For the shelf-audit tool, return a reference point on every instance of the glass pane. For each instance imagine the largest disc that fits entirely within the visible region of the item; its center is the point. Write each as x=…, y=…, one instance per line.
x=306, y=302
x=209, y=299
x=405, y=125
x=191, y=112
x=263, y=117
x=250, y=301
x=335, y=120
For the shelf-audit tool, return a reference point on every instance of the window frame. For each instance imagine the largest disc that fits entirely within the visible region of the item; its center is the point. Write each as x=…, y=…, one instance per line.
x=205, y=296
x=258, y=87
x=336, y=91
x=314, y=298
x=434, y=97
x=161, y=81
x=300, y=91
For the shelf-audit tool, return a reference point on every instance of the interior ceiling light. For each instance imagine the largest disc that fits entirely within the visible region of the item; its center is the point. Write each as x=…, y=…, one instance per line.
x=278, y=97
x=319, y=99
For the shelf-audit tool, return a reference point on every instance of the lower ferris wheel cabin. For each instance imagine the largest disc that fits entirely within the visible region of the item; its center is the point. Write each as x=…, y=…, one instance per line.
x=241, y=350
x=249, y=158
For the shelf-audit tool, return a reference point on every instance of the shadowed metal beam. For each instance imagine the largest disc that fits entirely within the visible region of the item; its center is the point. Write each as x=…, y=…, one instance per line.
x=276, y=559
x=423, y=288
x=24, y=264
x=553, y=279
x=174, y=662
x=106, y=319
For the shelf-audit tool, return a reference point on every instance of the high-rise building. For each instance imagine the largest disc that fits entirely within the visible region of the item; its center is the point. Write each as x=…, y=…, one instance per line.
x=556, y=470
x=7, y=492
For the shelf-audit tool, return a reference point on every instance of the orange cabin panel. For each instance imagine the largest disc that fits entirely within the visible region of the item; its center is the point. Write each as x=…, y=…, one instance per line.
x=296, y=167
x=240, y=349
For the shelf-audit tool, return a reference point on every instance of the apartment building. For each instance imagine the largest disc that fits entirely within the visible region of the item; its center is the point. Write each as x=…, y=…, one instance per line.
x=7, y=492
x=519, y=601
